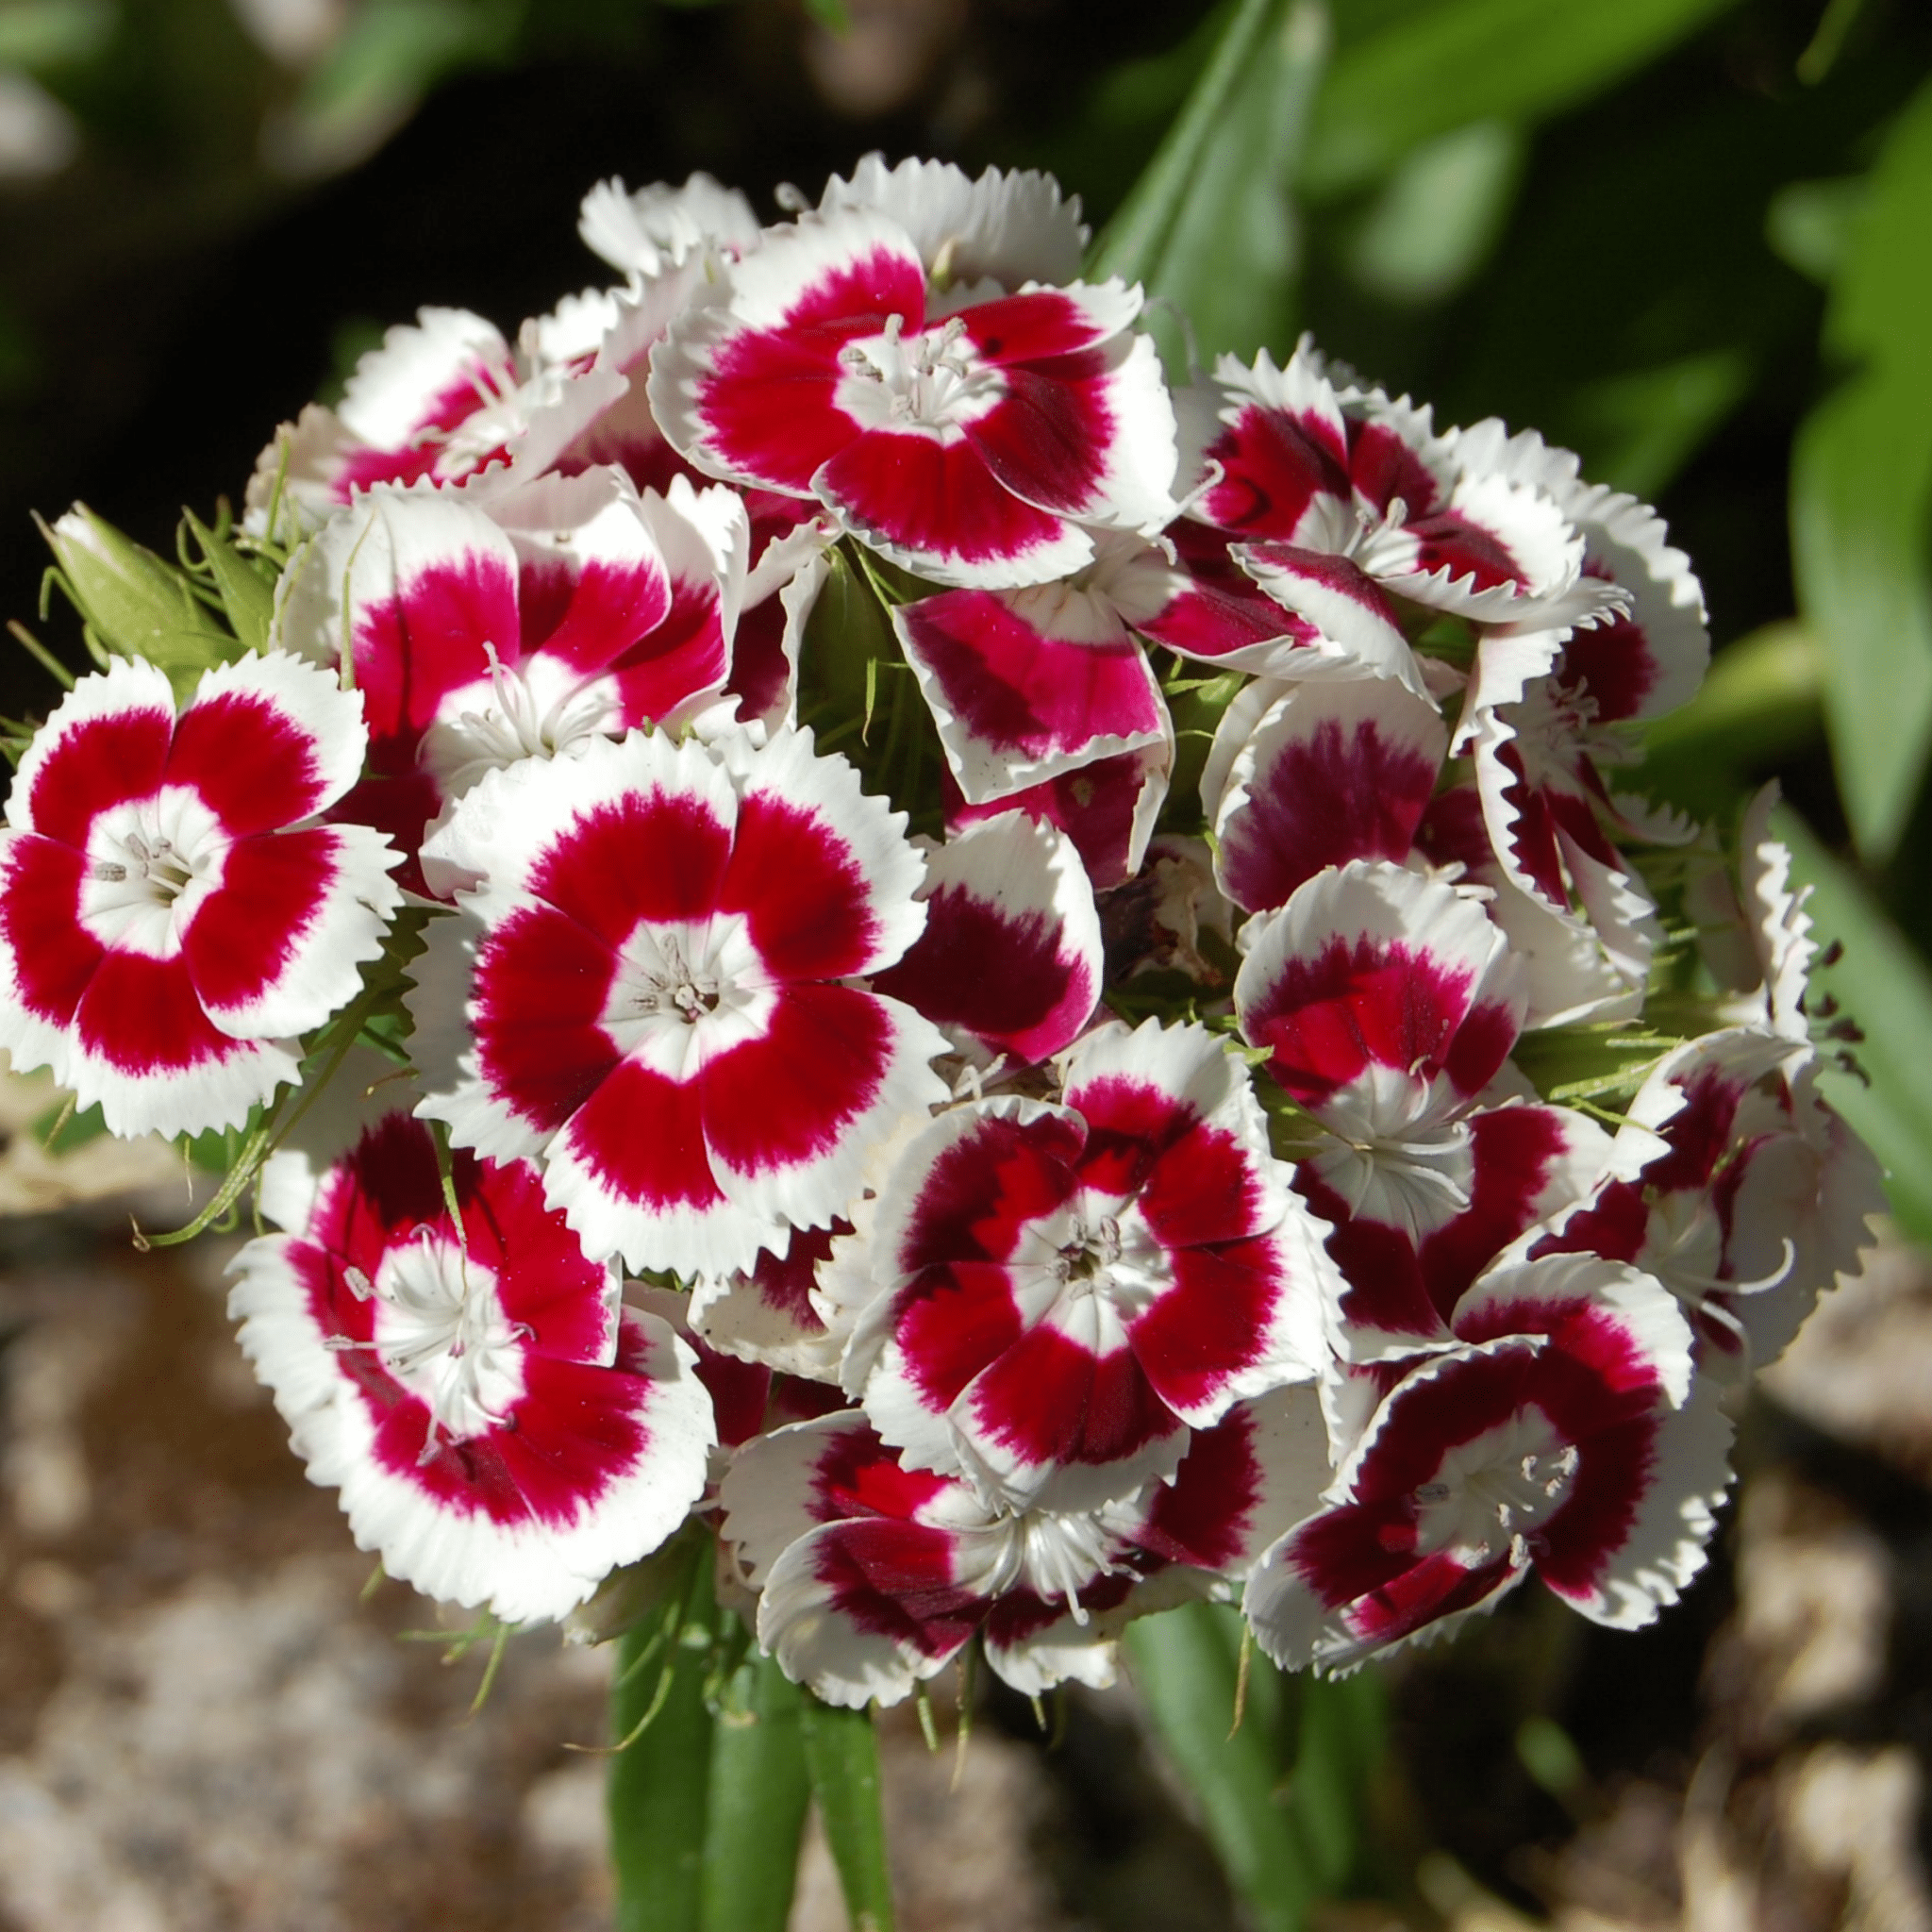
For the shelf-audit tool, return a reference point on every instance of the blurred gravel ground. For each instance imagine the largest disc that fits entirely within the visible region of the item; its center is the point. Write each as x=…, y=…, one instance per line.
x=205, y=1728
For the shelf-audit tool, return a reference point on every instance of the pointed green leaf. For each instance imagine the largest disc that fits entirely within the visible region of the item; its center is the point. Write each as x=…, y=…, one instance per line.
x=1463, y=60
x=247, y=595
x=659, y=1790
x=1186, y=1664
x=841, y=1755
x=1862, y=496
x=1882, y=983
x=1217, y=192
x=758, y=1801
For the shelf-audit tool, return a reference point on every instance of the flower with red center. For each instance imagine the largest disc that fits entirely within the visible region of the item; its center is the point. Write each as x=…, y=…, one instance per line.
x=874, y=1576
x=170, y=917
x=574, y=608
x=1063, y=1292
x=1568, y=1436
x=1389, y=1004
x=1754, y=1199
x=663, y=938
x=969, y=446
x=1338, y=501
x=501, y=1430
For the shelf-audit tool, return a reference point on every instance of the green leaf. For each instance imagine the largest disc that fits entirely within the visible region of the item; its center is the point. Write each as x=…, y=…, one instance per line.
x=248, y=597
x=659, y=1790
x=39, y=34
x=1442, y=210
x=1216, y=193
x=1881, y=982
x=1186, y=1665
x=1809, y=224
x=842, y=1755
x=1463, y=60
x=1862, y=496
x=1642, y=427
x=757, y=1799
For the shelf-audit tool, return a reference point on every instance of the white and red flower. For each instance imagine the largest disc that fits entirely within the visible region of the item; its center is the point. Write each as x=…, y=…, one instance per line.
x=571, y=610
x=663, y=934
x=501, y=1430
x=968, y=444
x=1568, y=1436
x=872, y=1576
x=1754, y=1200
x=1061, y=1292
x=1338, y=501
x=171, y=916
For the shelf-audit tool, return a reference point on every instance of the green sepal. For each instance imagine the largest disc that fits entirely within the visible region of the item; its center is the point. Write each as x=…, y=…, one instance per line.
x=133, y=603
x=247, y=595
x=1610, y=1060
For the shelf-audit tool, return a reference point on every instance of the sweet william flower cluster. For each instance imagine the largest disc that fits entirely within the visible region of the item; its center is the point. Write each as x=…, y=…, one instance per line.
x=830, y=909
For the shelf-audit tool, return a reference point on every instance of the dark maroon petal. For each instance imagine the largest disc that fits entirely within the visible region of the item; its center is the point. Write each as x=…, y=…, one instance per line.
x=1328, y=1017
x=802, y=887
x=1038, y=325
x=1048, y=1400
x=1203, y=1516
x=683, y=655
x=541, y=985
x=656, y=856
x=1202, y=1188
x=1383, y=467
x=54, y=956
x=996, y=1176
x=909, y=491
x=642, y=1136
x=253, y=765
x=1001, y=978
x=1343, y=788
x=1047, y=438
x=1385, y=1291
x=895, y=1580
x=1605, y=1493
x=950, y=1322
x=1273, y=467
x=1025, y=696
x=767, y=406
x=141, y=1016
x=855, y=1474
x=414, y=649
x=587, y=617
x=1214, y=1322
x=789, y=1097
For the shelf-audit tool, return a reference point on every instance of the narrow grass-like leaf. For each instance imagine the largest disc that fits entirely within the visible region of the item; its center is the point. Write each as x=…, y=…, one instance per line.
x=758, y=1801
x=1862, y=496
x=1217, y=192
x=659, y=1790
x=1186, y=1663
x=1461, y=60
x=248, y=598
x=1881, y=982
x=841, y=1756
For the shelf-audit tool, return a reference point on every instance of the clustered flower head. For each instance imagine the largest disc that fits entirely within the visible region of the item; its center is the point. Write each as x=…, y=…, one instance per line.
x=823, y=902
